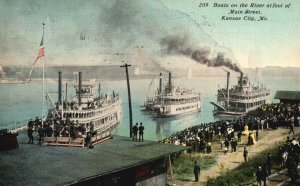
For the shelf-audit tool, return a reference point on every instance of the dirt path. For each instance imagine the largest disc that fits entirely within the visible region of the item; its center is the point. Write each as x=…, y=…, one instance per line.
x=267, y=138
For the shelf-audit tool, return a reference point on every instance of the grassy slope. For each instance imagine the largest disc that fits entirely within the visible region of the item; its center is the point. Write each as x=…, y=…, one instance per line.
x=245, y=173
x=183, y=165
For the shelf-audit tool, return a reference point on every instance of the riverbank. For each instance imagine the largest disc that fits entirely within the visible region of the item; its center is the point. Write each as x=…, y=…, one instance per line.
x=267, y=139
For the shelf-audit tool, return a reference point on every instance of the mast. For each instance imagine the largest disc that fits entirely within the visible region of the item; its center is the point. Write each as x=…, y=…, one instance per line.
x=43, y=104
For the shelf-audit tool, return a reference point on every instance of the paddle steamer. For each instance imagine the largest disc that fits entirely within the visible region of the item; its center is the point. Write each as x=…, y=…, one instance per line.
x=241, y=98
x=94, y=117
x=169, y=101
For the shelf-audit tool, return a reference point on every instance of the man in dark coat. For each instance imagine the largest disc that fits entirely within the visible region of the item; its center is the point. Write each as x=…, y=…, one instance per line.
x=259, y=175
x=134, y=131
x=141, y=132
x=41, y=135
x=30, y=135
x=196, y=171
x=264, y=175
x=269, y=163
x=245, y=154
x=30, y=123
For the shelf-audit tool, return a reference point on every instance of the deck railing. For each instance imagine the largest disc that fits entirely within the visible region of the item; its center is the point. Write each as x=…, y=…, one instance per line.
x=15, y=128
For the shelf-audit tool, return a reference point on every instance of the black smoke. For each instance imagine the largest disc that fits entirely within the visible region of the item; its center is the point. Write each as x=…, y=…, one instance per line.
x=175, y=44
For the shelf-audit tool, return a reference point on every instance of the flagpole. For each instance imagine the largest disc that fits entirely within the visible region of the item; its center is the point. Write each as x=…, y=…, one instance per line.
x=43, y=100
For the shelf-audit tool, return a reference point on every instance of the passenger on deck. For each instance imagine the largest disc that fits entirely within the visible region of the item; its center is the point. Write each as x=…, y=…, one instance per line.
x=141, y=132
x=30, y=135
x=135, y=131
x=30, y=123
x=36, y=121
x=82, y=129
x=41, y=135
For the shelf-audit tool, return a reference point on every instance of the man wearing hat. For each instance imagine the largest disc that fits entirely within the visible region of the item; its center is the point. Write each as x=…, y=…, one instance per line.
x=141, y=132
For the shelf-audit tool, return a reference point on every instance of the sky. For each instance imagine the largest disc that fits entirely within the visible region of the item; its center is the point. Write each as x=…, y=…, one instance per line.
x=275, y=42
x=165, y=33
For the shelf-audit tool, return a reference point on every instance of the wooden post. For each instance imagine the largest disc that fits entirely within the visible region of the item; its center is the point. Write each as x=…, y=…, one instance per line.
x=129, y=98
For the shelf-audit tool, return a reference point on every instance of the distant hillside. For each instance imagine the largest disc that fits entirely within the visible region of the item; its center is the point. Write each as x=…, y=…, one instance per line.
x=111, y=72
x=114, y=72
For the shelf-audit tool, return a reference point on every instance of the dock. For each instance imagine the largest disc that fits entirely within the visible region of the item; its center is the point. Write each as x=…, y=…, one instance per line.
x=118, y=160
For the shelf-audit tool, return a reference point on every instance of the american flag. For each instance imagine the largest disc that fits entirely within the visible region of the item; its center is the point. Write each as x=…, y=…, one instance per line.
x=41, y=53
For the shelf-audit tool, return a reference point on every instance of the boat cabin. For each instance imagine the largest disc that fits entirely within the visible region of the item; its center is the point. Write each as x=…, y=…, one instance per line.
x=85, y=94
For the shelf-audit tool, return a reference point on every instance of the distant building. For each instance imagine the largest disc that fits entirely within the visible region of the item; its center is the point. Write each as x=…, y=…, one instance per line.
x=292, y=97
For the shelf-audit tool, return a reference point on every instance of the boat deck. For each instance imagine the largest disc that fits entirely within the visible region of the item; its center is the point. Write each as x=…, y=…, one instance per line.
x=32, y=164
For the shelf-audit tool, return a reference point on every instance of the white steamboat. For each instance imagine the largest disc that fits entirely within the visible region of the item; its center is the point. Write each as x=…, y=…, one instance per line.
x=97, y=115
x=241, y=98
x=170, y=101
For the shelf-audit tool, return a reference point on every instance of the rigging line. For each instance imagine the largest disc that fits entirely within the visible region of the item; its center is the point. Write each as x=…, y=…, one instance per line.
x=150, y=85
x=222, y=91
x=48, y=96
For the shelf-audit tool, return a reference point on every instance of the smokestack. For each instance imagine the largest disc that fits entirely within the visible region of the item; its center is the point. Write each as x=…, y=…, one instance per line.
x=59, y=88
x=79, y=88
x=241, y=81
x=160, y=83
x=228, y=76
x=66, y=98
x=170, y=82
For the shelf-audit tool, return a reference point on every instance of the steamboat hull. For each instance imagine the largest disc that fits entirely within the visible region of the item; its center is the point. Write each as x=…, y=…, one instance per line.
x=179, y=109
x=231, y=113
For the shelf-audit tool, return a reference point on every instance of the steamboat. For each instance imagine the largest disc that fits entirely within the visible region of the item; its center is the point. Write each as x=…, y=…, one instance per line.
x=169, y=101
x=241, y=98
x=85, y=118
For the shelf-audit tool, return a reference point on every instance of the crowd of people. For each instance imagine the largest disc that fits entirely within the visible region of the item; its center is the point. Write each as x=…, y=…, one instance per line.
x=272, y=116
x=199, y=137
x=288, y=156
x=58, y=128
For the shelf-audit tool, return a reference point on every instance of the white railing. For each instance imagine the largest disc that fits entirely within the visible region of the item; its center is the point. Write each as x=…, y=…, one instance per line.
x=17, y=127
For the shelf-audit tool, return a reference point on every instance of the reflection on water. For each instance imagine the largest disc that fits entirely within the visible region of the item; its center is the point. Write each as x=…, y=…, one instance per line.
x=221, y=117
x=173, y=124
x=19, y=103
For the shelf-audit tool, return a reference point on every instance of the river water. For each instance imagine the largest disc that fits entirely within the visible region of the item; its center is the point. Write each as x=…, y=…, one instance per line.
x=20, y=102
